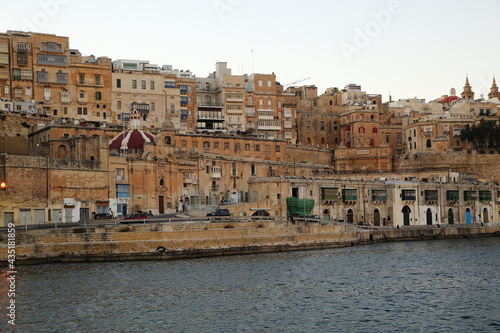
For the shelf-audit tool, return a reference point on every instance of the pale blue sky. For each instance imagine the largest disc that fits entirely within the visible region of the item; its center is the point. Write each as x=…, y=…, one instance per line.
x=406, y=47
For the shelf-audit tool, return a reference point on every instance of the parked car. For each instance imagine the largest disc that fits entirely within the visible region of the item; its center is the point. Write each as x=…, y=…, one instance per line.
x=103, y=216
x=219, y=212
x=136, y=216
x=310, y=218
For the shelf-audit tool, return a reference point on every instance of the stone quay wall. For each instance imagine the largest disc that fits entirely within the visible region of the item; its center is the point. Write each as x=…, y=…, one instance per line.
x=201, y=239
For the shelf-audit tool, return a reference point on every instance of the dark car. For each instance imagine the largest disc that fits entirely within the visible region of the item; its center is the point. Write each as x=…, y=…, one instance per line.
x=103, y=216
x=219, y=212
x=310, y=218
x=136, y=216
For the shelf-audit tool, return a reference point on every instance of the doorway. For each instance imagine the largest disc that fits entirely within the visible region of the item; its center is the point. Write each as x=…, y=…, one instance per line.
x=161, y=204
x=376, y=217
x=406, y=215
x=429, y=216
x=450, y=216
x=350, y=216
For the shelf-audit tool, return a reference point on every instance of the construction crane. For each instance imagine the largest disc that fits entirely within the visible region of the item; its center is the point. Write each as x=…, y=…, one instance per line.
x=297, y=81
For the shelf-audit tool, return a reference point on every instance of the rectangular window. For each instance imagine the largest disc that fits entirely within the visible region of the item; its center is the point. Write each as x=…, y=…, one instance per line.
x=81, y=79
x=329, y=194
x=470, y=195
x=431, y=195
x=152, y=85
x=123, y=190
x=452, y=195
x=379, y=195
x=134, y=84
x=97, y=80
x=484, y=195
x=247, y=147
x=226, y=145
x=119, y=105
x=143, y=84
x=408, y=195
x=118, y=83
x=349, y=194
x=257, y=147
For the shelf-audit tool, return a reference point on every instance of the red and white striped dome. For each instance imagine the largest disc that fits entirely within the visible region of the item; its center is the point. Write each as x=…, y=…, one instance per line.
x=131, y=139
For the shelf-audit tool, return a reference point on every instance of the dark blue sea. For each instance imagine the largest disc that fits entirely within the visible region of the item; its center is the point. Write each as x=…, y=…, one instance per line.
x=424, y=286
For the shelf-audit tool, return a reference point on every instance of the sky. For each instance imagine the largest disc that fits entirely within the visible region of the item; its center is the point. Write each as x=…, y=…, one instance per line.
x=397, y=48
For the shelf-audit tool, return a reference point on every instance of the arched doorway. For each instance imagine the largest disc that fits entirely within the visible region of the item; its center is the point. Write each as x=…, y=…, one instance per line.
x=326, y=215
x=350, y=216
x=485, y=215
x=406, y=215
x=376, y=217
x=261, y=213
x=468, y=216
x=428, y=215
x=450, y=216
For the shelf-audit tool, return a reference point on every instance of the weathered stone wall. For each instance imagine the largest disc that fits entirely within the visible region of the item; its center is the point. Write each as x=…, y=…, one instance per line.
x=15, y=129
x=305, y=154
x=486, y=166
x=177, y=240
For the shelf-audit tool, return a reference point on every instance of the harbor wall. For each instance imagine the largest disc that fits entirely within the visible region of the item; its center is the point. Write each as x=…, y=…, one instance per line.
x=201, y=239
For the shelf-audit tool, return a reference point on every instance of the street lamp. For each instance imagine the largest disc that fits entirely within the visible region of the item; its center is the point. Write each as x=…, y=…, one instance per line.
x=3, y=185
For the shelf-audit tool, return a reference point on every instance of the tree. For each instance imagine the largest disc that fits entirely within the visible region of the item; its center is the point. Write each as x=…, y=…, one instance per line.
x=483, y=136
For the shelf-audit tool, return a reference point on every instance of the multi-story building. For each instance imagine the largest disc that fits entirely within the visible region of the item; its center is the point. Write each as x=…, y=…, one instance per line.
x=50, y=54
x=4, y=69
x=428, y=198
x=89, y=97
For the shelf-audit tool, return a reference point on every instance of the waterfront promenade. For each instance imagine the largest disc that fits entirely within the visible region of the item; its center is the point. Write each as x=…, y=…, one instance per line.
x=188, y=239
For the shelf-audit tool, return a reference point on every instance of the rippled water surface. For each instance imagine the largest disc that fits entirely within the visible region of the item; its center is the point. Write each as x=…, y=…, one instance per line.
x=429, y=286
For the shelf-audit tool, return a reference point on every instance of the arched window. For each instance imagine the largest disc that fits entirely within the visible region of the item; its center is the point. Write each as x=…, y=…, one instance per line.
x=162, y=182
x=207, y=87
x=61, y=151
x=326, y=215
x=98, y=95
x=429, y=143
x=168, y=140
x=208, y=100
x=374, y=129
x=81, y=94
x=350, y=216
x=361, y=129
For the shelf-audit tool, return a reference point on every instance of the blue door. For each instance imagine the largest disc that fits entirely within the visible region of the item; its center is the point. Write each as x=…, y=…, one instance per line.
x=468, y=217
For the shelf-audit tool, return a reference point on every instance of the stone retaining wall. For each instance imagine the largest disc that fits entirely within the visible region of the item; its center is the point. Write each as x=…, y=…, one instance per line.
x=184, y=240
